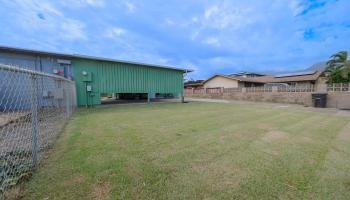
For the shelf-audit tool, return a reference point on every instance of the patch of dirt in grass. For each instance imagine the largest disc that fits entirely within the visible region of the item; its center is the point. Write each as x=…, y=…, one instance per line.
x=220, y=174
x=15, y=193
x=73, y=181
x=344, y=134
x=272, y=152
x=275, y=136
x=266, y=126
x=231, y=177
x=305, y=139
x=347, y=185
x=101, y=190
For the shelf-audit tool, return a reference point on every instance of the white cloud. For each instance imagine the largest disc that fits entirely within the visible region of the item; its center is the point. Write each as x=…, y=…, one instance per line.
x=46, y=7
x=82, y=3
x=130, y=7
x=115, y=32
x=220, y=61
x=142, y=56
x=212, y=41
x=296, y=7
x=97, y=3
x=169, y=21
x=257, y=34
x=43, y=17
x=225, y=16
x=73, y=30
x=210, y=11
x=194, y=35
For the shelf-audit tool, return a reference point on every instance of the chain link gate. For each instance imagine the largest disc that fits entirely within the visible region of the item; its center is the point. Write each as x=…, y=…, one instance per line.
x=34, y=107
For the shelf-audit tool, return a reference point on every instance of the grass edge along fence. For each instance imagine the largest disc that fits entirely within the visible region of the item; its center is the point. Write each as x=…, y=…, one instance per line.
x=34, y=106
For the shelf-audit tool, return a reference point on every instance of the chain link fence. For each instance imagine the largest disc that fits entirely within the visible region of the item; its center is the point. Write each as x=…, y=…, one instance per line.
x=34, y=107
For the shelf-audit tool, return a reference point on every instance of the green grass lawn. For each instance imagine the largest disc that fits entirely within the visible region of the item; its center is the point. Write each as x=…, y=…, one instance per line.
x=197, y=151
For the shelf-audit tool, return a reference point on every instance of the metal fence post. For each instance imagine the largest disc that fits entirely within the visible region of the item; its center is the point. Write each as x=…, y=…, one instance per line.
x=341, y=86
x=34, y=110
x=66, y=96
x=34, y=115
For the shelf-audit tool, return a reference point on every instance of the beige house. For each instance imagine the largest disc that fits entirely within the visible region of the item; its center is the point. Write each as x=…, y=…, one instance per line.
x=219, y=81
x=301, y=79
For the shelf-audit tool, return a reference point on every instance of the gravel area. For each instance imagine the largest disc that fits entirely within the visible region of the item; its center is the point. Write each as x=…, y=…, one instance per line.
x=9, y=117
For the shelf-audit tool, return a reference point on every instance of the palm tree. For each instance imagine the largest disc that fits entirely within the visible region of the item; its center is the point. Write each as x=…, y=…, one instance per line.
x=338, y=68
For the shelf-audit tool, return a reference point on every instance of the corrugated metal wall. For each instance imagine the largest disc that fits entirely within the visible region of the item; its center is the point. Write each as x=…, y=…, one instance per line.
x=17, y=82
x=33, y=62
x=113, y=77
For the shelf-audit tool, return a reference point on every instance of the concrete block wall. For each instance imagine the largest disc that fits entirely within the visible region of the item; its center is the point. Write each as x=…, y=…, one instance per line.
x=303, y=98
x=339, y=100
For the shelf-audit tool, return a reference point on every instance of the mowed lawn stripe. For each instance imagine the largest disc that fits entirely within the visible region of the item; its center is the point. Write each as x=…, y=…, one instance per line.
x=333, y=172
x=195, y=151
x=283, y=164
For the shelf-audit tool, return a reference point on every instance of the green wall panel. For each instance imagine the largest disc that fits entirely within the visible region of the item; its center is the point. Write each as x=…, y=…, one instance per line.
x=109, y=77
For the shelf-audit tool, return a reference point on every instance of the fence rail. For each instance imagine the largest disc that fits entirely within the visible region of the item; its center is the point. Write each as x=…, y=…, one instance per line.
x=338, y=87
x=221, y=90
x=258, y=89
x=232, y=90
x=296, y=89
x=34, y=106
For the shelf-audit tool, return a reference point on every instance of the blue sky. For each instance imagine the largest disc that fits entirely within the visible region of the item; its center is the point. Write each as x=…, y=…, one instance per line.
x=209, y=36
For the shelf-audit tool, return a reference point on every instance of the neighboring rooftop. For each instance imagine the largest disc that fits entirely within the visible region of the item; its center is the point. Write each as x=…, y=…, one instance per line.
x=194, y=83
x=70, y=56
x=246, y=74
x=237, y=78
x=282, y=78
x=310, y=74
x=320, y=66
x=303, y=73
x=291, y=77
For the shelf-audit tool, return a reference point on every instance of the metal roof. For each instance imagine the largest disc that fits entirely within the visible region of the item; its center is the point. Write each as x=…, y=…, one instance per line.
x=245, y=73
x=305, y=76
x=303, y=73
x=67, y=55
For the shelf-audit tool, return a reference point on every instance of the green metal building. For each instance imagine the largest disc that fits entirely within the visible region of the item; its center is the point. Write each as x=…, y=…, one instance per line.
x=94, y=76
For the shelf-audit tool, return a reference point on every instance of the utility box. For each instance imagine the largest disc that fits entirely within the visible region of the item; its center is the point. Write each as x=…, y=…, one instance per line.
x=88, y=88
x=86, y=76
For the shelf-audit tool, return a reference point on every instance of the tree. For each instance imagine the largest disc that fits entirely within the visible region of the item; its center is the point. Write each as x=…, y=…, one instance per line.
x=338, y=68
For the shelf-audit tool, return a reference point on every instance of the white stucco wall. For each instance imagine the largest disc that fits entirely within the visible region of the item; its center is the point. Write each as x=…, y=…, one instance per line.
x=219, y=81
